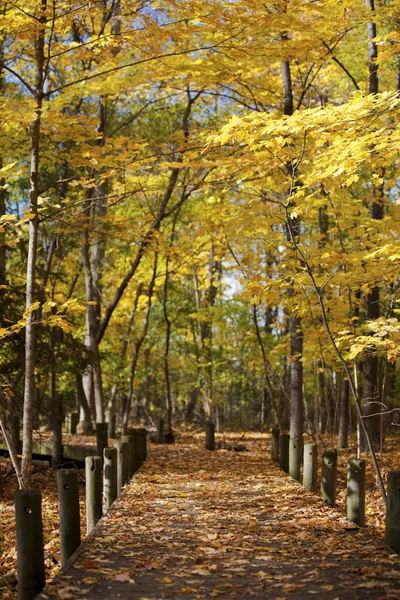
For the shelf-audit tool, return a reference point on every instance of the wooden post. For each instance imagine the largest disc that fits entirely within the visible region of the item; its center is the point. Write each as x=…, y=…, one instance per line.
x=136, y=449
x=356, y=491
x=284, y=451
x=275, y=444
x=74, y=422
x=328, y=476
x=56, y=436
x=67, y=424
x=101, y=438
x=30, y=553
x=160, y=431
x=210, y=436
x=112, y=426
x=294, y=458
x=144, y=443
x=122, y=465
x=310, y=466
x=93, y=491
x=392, y=532
x=140, y=443
x=128, y=439
x=70, y=519
x=110, y=476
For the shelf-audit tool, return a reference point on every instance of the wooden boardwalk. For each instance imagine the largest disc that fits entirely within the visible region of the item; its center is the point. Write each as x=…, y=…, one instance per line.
x=195, y=524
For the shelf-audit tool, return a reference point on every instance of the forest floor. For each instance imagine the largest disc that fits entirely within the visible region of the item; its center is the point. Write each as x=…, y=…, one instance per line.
x=196, y=524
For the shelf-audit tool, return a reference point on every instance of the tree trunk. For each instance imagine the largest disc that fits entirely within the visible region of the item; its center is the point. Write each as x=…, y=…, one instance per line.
x=29, y=393
x=167, y=344
x=371, y=395
x=344, y=414
x=296, y=379
x=91, y=342
x=114, y=391
x=296, y=334
x=56, y=405
x=137, y=347
x=85, y=419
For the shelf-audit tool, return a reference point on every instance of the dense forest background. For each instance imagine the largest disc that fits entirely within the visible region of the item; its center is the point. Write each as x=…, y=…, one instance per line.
x=199, y=215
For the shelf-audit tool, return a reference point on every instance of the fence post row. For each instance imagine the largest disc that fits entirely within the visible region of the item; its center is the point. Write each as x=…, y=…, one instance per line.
x=288, y=462
x=28, y=505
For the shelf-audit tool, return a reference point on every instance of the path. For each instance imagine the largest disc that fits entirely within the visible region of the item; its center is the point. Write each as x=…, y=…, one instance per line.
x=195, y=524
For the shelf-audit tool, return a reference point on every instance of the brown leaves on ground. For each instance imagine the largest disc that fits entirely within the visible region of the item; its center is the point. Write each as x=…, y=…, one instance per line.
x=198, y=524
x=225, y=524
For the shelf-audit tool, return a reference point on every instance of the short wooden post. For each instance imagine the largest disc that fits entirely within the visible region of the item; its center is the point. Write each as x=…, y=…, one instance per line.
x=210, y=436
x=93, y=491
x=275, y=444
x=70, y=519
x=160, y=431
x=74, y=422
x=110, y=476
x=128, y=439
x=30, y=553
x=294, y=458
x=284, y=451
x=122, y=465
x=140, y=443
x=56, y=436
x=356, y=491
x=328, y=476
x=144, y=443
x=310, y=466
x=136, y=450
x=112, y=424
x=392, y=532
x=101, y=438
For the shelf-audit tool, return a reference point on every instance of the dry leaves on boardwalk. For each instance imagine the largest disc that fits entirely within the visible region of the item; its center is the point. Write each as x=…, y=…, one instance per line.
x=195, y=524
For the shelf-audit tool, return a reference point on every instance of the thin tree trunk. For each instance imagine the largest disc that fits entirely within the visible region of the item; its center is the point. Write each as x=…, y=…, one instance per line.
x=29, y=394
x=55, y=399
x=91, y=342
x=344, y=414
x=85, y=419
x=137, y=347
x=124, y=348
x=296, y=334
x=168, y=332
x=371, y=395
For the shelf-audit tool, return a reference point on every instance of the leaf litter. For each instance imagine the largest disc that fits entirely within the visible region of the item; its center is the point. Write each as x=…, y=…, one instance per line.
x=195, y=524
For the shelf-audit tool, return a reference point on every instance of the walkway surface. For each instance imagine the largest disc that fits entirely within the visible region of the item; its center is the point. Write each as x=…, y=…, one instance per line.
x=195, y=524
